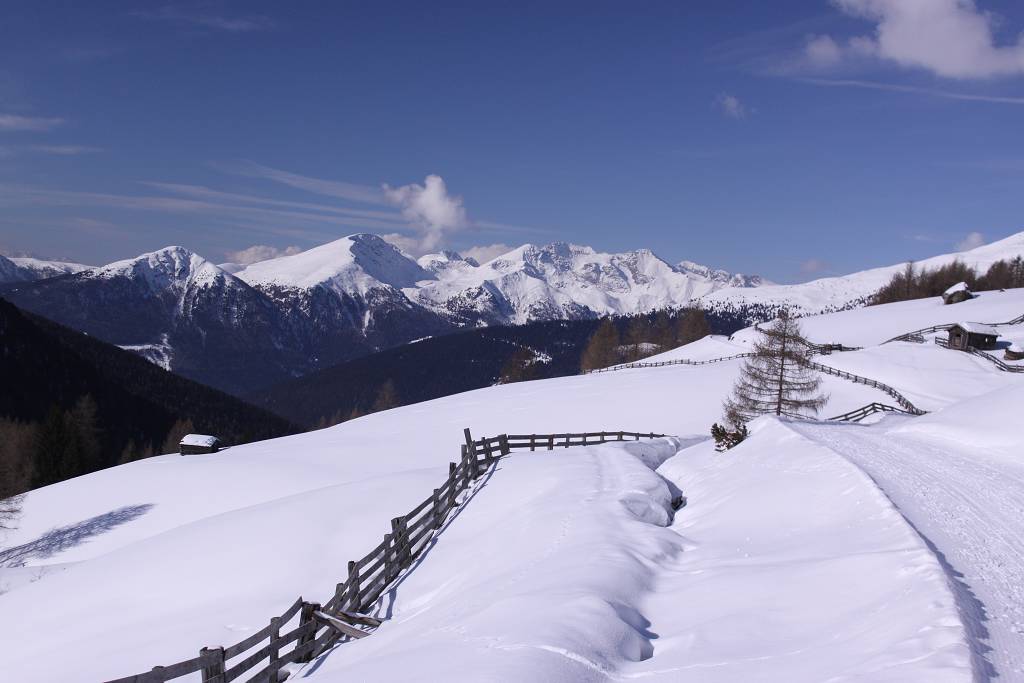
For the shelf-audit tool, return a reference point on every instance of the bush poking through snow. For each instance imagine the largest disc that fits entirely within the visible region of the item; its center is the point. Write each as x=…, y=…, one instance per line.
x=726, y=439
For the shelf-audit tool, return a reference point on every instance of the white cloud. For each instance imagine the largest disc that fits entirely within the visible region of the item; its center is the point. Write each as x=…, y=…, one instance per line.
x=950, y=38
x=430, y=209
x=823, y=51
x=259, y=252
x=12, y=122
x=731, y=106
x=405, y=243
x=813, y=266
x=486, y=252
x=972, y=241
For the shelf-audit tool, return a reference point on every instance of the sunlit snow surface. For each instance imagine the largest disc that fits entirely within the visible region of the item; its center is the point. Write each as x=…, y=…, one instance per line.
x=789, y=563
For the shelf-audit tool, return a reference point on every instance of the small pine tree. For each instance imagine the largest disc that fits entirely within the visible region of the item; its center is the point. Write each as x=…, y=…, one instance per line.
x=776, y=380
x=602, y=350
x=179, y=430
x=387, y=397
x=726, y=438
x=520, y=367
x=691, y=325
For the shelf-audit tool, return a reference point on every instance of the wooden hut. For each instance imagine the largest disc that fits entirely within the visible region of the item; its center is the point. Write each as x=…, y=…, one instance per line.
x=976, y=335
x=1014, y=352
x=193, y=444
x=957, y=293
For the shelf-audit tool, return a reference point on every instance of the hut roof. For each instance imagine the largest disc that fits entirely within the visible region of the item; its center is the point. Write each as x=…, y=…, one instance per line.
x=979, y=328
x=958, y=287
x=199, y=440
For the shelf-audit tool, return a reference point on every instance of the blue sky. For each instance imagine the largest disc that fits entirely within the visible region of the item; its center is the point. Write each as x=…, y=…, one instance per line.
x=790, y=139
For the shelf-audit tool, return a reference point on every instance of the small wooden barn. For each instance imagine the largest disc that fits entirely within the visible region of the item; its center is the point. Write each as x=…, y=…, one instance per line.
x=957, y=293
x=193, y=444
x=976, y=335
x=1014, y=352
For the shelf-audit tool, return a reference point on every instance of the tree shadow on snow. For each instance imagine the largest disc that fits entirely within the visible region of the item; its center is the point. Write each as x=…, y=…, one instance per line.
x=63, y=538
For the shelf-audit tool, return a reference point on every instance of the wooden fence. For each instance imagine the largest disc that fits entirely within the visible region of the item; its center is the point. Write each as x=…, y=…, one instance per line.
x=307, y=629
x=918, y=335
x=1002, y=365
x=900, y=398
x=871, y=408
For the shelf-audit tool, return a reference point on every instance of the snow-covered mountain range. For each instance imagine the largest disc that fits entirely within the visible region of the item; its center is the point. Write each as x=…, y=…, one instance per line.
x=246, y=327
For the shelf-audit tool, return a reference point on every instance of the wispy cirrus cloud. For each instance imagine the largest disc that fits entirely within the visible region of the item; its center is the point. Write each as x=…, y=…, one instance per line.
x=65, y=150
x=367, y=194
x=911, y=89
x=13, y=122
x=198, y=17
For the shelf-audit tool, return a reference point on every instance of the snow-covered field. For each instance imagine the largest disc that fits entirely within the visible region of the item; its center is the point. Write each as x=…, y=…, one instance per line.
x=811, y=552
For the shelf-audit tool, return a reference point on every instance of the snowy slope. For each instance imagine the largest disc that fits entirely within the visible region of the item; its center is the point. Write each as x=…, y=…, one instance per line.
x=835, y=293
x=41, y=268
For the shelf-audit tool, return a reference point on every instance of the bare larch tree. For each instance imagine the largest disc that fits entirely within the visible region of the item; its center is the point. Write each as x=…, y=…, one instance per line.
x=776, y=379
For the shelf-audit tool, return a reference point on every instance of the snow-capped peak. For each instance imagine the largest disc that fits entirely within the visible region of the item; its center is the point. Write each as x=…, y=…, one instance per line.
x=442, y=261
x=353, y=264
x=165, y=268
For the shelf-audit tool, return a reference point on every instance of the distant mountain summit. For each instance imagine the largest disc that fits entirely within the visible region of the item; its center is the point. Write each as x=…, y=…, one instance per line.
x=245, y=327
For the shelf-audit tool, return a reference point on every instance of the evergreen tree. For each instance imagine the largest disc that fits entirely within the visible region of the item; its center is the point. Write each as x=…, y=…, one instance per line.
x=54, y=450
x=87, y=433
x=520, y=367
x=180, y=429
x=776, y=380
x=691, y=325
x=602, y=349
x=15, y=468
x=387, y=397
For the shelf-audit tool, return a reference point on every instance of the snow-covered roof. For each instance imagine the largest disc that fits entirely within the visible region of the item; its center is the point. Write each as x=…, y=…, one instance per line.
x=199, y=440
x=958, y=287
x=1016, y=348
x=979, y=328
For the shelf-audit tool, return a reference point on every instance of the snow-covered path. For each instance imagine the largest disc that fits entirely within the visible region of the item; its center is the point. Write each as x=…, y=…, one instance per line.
x=969, y=505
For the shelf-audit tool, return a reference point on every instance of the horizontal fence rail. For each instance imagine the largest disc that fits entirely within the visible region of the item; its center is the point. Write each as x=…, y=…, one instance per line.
x=307, y=629
x=871, y=408
x=900, y=398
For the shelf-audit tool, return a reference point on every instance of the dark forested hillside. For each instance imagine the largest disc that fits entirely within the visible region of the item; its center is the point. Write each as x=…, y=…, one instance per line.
x=70, y=404
x=471, y=359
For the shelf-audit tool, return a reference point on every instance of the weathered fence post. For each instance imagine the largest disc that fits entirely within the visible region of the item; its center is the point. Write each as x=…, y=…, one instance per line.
x=503, y=442
x=435, y=508
x=533, y=442
x=215, y=668
x=452, y=484
x=400, y=542
x=470, y=447
x=274, y=652
x=551, y=442
x=620, y=436
x=352, y=585
x=305, y=617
